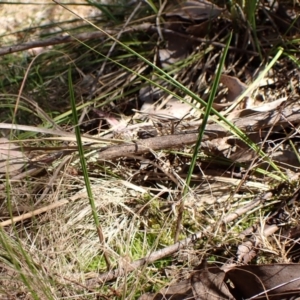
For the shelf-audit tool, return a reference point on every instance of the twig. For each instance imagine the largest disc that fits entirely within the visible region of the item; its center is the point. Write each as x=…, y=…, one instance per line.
x=240, y=211
x=146, y=27
x=108, y=276
x=250, y=123
x=51, y=41
x=86, y=36
x=43, y=209
x=155, y=143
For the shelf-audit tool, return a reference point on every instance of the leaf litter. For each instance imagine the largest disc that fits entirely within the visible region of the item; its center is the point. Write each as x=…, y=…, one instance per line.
x=231, y=181
x=12, y=158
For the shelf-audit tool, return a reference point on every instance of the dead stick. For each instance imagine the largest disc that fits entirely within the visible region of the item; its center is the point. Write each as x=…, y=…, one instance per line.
x=98, y=34
x=156, y=143
x=251, y=123
x=113, y=274
x=248, y=207
x=67, y=39
x=43, y=209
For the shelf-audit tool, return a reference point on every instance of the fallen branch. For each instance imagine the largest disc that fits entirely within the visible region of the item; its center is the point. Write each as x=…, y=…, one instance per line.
x=154, y=256
x=86, y=36
x=248, y=124
x=242, y=210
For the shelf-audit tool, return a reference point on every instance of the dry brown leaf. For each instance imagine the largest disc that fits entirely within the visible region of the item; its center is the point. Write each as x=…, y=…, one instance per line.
x=209, y=283
x=234, y=85
x=178, y=46
x=12, y=158
x=286, y=157
x=174, y=109
x=246, y=252
x=243, y=155
x=177, y=291
x=273, y=280
x=199, y=30
x=115, y=124
x=210, y=286
x=247, y=282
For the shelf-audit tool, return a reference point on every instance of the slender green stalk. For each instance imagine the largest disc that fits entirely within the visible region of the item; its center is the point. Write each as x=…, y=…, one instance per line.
x=250, y=9
x=84, y=169
x=199, y=140
x=205, y=117
x=152, y=5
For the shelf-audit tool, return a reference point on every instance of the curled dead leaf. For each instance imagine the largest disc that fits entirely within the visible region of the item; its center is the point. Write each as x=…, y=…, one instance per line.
x=234, y=282
x=266, y=281
x=12, y=158
x=177, y=49
x=210, y=285
x=246, y=252
x=234, y=85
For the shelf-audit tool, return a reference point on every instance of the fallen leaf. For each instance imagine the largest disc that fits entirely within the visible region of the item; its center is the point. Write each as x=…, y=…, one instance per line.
x=177, y=291
x=210, y=286
x=264, y=281
x=209, y=283
x=246, y=252
x=199, y=30
x=246, y=282
x=174, y=109
x=177, y=45
x=177, y=49
x=11, y=157
x=234, y=85
x=115, y=125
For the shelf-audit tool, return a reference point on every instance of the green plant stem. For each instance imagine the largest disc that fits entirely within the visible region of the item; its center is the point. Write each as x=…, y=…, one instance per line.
x=199, y=140
x=85, y=171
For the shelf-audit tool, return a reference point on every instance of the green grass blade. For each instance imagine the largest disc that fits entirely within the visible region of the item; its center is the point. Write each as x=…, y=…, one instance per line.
x=152, y=5
x=199, y=140
x=206, y=116
x=84, y=168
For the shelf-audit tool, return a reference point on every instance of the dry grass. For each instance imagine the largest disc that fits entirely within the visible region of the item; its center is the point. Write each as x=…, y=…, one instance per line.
x=56, y=254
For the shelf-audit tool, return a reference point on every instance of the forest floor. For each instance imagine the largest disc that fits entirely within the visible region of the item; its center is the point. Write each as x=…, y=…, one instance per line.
x=149, y=150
